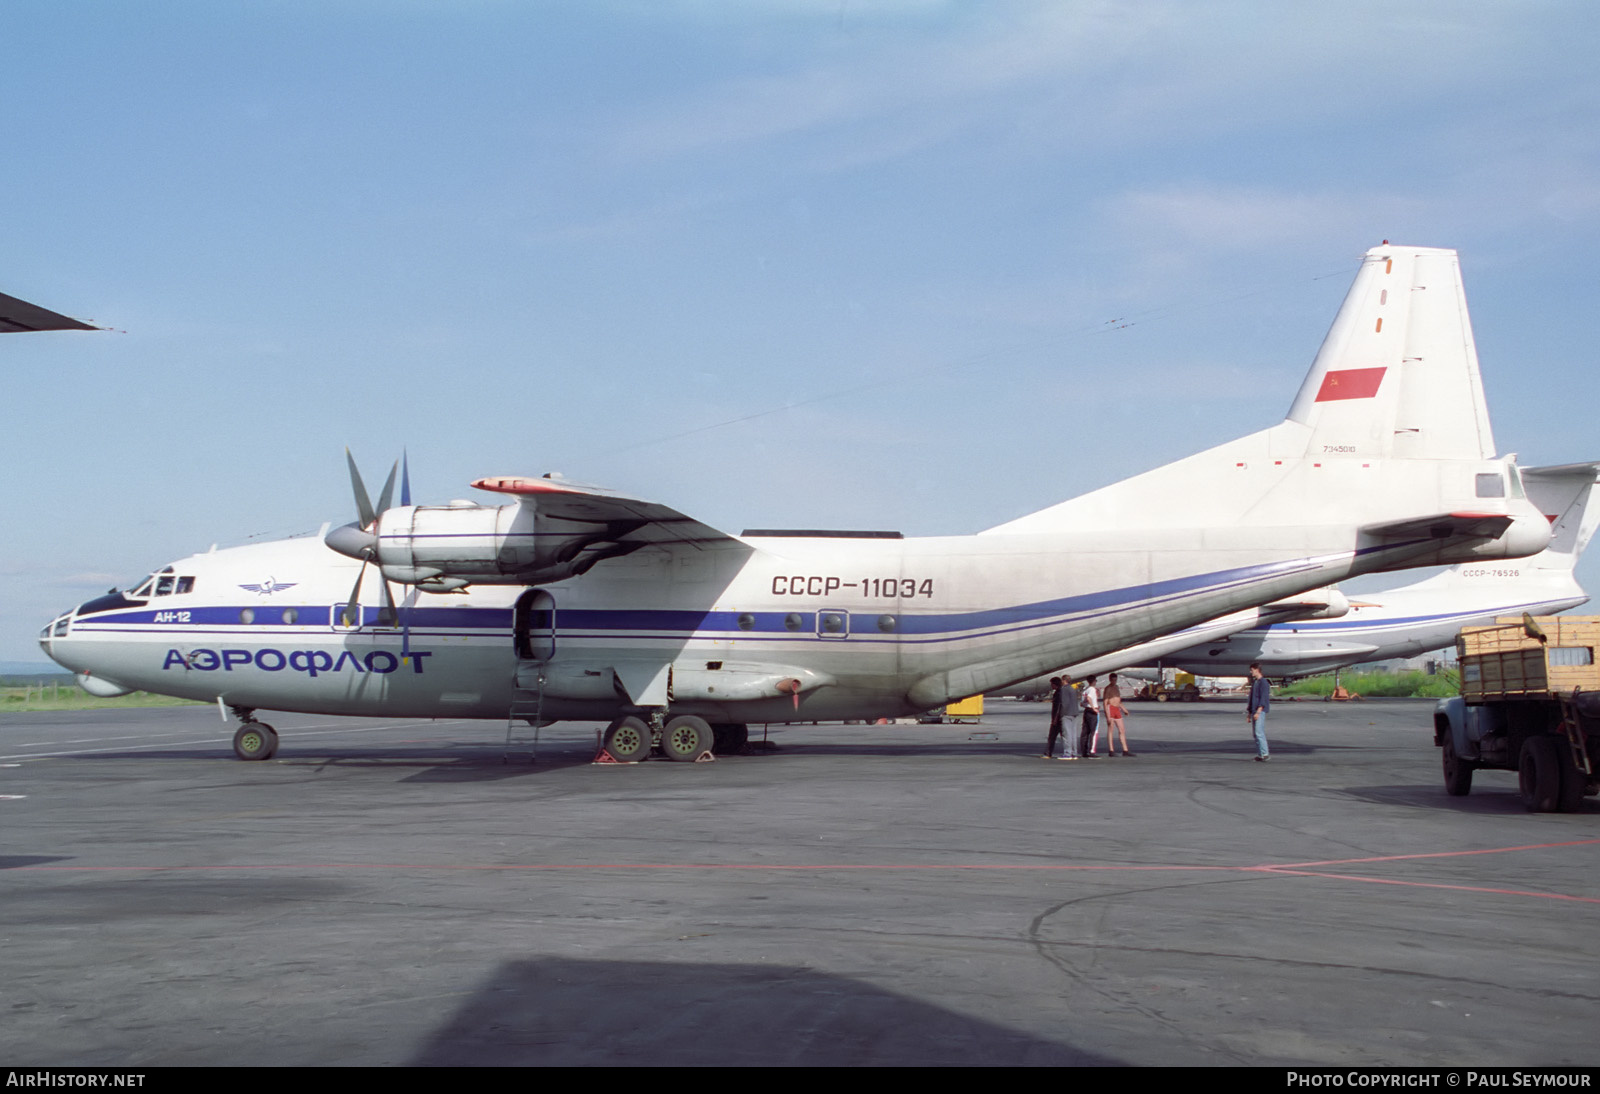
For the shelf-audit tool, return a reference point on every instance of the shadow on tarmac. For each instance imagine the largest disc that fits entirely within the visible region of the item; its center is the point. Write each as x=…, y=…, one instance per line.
x=558, y=1011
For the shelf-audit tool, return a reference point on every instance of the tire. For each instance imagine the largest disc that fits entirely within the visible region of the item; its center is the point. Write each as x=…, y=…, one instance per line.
x=255, y=741
x=686, y=738
x=1573, y=781
x=1457, y=772
x=627, y=740
x=1539, y=775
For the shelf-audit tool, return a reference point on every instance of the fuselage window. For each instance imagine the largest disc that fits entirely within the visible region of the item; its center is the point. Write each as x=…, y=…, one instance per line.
x=1491, y=486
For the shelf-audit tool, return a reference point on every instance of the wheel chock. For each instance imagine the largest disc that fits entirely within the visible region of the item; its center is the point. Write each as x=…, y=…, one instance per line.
x=705, y=757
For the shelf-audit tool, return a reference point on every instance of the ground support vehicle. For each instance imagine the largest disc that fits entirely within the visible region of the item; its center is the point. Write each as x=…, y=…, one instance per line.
x=1529, y=703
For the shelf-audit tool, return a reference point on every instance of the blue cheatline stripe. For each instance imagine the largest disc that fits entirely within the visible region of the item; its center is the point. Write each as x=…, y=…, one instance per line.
x=678, y=623
x=1317, y=626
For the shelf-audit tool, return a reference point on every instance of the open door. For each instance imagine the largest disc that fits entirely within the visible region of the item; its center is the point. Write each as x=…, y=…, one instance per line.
x=533, y=626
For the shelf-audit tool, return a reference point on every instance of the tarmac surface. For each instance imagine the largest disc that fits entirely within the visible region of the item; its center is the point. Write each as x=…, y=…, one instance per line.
x=394, y=893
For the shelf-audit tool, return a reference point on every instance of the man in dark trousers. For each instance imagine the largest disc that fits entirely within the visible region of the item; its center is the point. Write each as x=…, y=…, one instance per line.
x=1055, y=718
x=1091, y=718
x=1255, y=711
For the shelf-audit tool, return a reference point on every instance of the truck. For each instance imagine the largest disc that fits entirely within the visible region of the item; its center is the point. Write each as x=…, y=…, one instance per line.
x=1529, y=703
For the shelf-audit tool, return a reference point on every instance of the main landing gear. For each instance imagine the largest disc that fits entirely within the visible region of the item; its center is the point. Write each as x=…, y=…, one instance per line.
x=685, y=738
x=254, y=740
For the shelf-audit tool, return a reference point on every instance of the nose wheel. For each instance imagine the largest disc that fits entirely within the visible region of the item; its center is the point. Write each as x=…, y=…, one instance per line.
x=255, y=741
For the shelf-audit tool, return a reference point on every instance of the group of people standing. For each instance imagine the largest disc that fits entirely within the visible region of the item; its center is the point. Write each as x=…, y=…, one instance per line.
x=1072, y=708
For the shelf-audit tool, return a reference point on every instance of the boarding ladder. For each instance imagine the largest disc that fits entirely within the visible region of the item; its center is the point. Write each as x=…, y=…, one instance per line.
x=527, y=710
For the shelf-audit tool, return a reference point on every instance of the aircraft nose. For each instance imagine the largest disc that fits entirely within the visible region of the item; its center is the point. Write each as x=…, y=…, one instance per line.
x=56, y=628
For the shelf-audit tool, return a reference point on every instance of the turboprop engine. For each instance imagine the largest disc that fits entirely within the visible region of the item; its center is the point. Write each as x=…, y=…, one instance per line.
x=438, y=547
x=446, y=547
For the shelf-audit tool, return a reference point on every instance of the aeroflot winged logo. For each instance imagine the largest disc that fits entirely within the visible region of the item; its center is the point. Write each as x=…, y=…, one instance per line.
x=269, y=586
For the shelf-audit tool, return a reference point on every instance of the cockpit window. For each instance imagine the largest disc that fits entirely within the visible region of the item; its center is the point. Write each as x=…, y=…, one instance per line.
x=163, y=583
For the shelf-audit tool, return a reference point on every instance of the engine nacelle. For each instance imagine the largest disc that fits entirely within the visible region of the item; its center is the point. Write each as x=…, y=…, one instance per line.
x=441, y=548
x=1326, y=603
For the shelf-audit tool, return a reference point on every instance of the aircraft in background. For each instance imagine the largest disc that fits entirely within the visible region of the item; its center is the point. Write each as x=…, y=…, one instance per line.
x=574, y=602
x=1428, y=615
x=21, y=317
x=1326, y=629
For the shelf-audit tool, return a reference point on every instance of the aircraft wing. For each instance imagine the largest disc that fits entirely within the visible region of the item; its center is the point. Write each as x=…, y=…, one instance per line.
x=17, y=316
x=625, y=520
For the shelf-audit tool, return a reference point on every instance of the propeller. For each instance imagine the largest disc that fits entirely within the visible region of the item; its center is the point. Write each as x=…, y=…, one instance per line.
x=359, y=540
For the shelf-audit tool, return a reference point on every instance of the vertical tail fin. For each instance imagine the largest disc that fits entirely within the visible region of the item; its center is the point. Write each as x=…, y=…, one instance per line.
x=1395, y=385
x=1397, y=374
x=1563, y=494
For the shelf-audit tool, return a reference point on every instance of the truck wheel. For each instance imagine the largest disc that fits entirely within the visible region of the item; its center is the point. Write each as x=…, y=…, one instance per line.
x=1457, y=772
x=1573, y=781
x=1539, y=775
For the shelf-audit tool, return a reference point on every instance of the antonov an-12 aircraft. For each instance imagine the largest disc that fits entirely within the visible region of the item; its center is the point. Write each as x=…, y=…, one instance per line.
x=572, y=602
x=1324, y=629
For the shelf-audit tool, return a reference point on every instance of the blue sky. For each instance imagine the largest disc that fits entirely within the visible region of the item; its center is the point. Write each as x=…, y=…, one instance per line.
x=938, y=264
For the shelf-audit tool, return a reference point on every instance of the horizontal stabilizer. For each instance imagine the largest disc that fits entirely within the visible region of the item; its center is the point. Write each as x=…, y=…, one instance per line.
x=1442, y=526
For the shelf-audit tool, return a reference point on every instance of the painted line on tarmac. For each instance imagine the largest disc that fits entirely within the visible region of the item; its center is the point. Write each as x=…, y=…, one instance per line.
x=314, y=730
x=1284, y=870
x=1433, y=854
x=1435, y=885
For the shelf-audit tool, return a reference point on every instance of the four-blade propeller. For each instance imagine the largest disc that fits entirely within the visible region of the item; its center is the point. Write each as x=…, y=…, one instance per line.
x=359, y=540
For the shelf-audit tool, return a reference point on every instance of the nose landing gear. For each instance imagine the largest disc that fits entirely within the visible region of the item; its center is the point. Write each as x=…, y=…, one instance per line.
x=254, y=740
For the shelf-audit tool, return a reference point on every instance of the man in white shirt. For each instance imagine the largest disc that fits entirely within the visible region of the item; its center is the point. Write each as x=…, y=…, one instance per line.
x=1091, y=718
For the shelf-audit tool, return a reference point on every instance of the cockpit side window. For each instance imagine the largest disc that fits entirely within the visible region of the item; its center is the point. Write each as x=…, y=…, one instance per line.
x=164, y=585
x=144, y=590
x=185, y=585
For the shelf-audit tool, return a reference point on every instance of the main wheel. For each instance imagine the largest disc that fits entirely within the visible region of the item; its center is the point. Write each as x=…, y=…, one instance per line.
x=1539, y=775
x=627, y=740
x=1457, y=772
x=255, y=741
x=686, y=738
